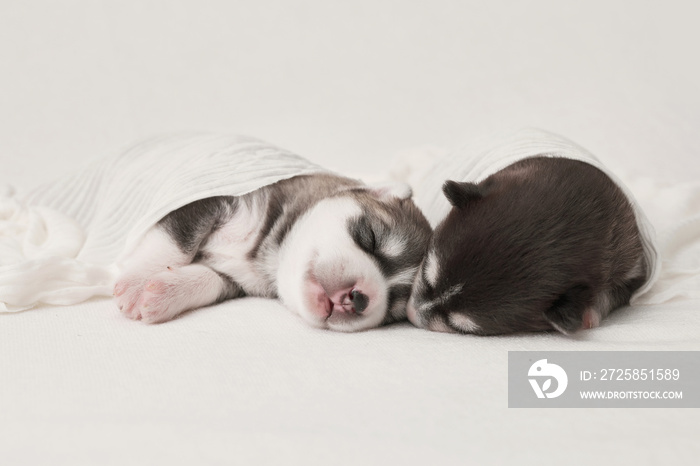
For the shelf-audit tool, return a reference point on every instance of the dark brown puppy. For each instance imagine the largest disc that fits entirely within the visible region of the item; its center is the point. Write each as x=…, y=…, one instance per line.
x=546, y=243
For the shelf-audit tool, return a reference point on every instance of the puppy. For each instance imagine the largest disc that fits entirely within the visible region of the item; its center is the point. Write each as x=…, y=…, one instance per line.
x=546, y=243
x=340, y=254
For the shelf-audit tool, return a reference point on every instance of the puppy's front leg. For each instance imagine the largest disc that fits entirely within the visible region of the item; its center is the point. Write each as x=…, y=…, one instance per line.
x=154, y=254
x=162, y=260
x=179, y=289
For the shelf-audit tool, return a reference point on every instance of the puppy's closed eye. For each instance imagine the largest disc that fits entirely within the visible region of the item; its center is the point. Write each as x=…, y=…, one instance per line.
x=364, y=235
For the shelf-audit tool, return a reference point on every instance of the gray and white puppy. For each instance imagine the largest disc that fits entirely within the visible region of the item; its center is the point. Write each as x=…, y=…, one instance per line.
x=340, y=254
x=546, y=243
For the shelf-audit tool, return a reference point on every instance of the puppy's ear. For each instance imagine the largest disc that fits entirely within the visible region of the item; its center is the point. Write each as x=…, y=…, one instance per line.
x=462, y=193
x=389, y=190
x=566, y=313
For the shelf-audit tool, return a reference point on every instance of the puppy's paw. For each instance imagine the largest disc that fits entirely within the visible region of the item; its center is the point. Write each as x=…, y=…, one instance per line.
x=127, y=293
x=161, y=299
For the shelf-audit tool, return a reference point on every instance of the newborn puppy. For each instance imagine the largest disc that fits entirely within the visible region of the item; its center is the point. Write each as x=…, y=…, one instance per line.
x=340, y=254
x=546, y=243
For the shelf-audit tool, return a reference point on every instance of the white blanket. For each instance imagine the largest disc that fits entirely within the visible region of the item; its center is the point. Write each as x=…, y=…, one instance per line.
x=60, y=243
x=673, y=259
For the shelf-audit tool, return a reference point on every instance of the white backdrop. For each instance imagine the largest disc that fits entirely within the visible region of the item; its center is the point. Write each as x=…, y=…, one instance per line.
x=348, y=85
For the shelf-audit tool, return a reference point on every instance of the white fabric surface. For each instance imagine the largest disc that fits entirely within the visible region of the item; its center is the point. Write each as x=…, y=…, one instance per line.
x=347, y=84
x=248, y=382
x=61, y=243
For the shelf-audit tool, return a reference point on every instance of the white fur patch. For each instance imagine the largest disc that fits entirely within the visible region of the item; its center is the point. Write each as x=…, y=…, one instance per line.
x=559, y=329
x=155, y=251
x=394, y=246
x=421, y=313
x=227, y=248
x=602, y=304
x=463, y=323
x=452, y=291
x=437, y=325
x=412, y=314
x=431, y=268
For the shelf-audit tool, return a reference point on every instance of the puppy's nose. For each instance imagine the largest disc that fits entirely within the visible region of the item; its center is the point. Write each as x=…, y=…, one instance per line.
x=359, y=300
x=350, y=300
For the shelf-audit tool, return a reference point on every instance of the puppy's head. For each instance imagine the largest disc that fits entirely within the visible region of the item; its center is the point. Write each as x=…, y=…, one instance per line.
x=350, y=260
x=545, y=244
x=465, y=283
